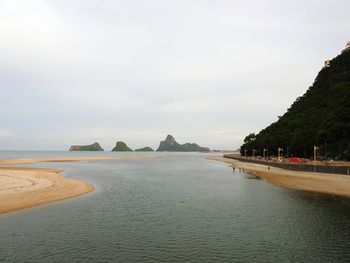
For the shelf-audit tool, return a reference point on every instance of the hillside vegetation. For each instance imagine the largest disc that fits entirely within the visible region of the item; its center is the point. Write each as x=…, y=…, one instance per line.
x=320, y=117
x=144, y=149
x=121, y=147
x=93, y=147
x=171, y=145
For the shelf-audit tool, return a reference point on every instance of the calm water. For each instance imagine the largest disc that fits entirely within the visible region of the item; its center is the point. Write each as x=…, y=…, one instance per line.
x=180, y=208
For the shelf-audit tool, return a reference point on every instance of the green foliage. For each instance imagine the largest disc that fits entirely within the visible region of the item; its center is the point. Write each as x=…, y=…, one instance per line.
x=145, y=149
x=250, y=138
x=320, y=117
x=93, y=147
x=121, y=147
x=171, y=145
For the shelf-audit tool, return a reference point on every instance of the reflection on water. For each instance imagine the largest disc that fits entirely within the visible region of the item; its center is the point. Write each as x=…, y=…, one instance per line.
x=175, y=209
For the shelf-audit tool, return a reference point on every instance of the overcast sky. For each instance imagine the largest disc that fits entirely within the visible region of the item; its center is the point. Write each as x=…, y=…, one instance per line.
x=205, y=71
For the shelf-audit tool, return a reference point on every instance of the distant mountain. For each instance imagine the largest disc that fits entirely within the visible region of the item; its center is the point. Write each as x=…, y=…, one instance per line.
x=145, y=149
x=121, y=147
x=321, y=117
x=93, y=147
x=171, y=145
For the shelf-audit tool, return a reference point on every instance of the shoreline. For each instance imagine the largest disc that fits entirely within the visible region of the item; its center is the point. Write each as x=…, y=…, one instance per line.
x=334, y=184
x=28, y=187
x=25, y=187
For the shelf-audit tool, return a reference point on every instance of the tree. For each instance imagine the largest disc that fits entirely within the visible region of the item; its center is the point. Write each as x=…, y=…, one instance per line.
x=250, y=138
x=321, y=115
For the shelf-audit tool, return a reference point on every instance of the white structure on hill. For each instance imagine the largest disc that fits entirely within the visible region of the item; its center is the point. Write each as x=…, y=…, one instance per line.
x=347, y=47
x=327, y=63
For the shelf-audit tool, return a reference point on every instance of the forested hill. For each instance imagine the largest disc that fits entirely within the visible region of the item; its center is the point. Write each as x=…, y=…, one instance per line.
x=320, y=117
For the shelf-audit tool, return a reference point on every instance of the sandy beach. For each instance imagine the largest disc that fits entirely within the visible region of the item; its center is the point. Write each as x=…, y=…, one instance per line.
x=334, y=184
x=27, y=187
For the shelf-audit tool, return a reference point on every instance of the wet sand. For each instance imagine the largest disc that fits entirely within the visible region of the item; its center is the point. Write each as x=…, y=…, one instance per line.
x=69, y=159
x=27, y=187
x=334, y=184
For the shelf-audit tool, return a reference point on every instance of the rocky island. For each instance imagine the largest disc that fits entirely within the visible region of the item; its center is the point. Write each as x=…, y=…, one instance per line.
x=171, y=145
x=92, y=147
x=145, y=149
x=121, y=147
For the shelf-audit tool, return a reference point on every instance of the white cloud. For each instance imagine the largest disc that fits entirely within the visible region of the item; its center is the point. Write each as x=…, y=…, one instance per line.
x=5, y=134
x=212, y=70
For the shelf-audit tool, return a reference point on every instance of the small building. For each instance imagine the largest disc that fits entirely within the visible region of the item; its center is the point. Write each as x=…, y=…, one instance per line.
x=327, y=63
x=347, y=47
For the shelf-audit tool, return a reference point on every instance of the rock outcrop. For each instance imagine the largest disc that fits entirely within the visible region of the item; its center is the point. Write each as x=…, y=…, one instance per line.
x=92, y=147
x=121, y=147
x=171, y=145
x=145, y=149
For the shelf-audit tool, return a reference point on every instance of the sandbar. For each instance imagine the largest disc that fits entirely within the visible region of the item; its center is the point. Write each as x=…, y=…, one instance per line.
x=27, y=187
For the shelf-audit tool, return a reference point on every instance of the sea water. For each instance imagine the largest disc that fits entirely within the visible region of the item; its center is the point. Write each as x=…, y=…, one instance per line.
x=178, y=208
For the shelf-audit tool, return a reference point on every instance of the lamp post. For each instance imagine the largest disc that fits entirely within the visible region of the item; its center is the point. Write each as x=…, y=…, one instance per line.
x=254, y=151
x=279, y=150
x=315, y=153
x=264, y=153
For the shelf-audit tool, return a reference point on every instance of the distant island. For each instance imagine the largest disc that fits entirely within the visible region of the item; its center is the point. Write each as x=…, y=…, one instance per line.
x=319, y=120
x=144, y=149
x=171, y=145
x=121, y=147
x=168, y=145
x=92, y=147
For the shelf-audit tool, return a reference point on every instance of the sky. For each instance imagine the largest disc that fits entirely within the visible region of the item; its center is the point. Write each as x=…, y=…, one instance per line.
x=204, y=71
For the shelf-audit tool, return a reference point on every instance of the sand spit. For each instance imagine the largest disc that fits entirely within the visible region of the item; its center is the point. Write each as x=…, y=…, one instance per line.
x=27, y=187
x=334, y=184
